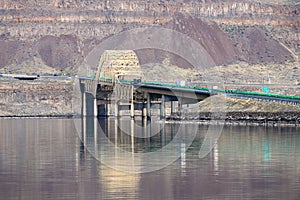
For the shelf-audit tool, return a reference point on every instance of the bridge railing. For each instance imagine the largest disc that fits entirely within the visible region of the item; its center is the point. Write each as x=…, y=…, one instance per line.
x=260, y=94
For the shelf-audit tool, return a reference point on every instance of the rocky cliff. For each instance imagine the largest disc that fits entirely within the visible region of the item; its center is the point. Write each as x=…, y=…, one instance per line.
x=62, y=32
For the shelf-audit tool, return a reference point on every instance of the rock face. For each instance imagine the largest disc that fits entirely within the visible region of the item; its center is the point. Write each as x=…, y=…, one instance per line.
x=36, y=98
x=63, y=32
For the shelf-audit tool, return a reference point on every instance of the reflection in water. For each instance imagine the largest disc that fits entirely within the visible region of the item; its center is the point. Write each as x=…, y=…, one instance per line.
x=215, y=154
x=117, y=184
x=136, y=145
x=266, y=150
x=183, y=159
x=132, y=135
x=44, y=159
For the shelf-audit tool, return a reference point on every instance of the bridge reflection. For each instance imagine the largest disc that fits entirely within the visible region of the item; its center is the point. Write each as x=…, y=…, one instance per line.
x=137, y=136
x=132, y=135
x=134, y=144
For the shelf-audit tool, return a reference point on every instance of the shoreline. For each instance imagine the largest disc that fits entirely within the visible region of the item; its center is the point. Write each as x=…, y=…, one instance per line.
x=235, y=123
x=229, y=118
x=62, y=116
x=263, y=118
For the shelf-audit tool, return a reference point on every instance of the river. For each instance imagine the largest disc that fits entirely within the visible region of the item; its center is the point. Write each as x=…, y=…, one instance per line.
x=53, y=159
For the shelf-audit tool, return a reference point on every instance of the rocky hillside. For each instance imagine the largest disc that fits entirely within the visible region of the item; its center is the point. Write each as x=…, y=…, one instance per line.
x=61, y=33
x=42, y=97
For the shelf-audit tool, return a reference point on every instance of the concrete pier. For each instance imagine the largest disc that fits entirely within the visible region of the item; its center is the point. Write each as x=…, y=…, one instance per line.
x=172, y=107
x=163, y=107
x=148, y=106
x=95, y=107
x=117, y=109
x=180, y=104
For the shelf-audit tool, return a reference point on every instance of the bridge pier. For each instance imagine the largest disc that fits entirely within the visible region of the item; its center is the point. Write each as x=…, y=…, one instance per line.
x=132, y=109
x=180, y=104
x=144, y=111
x=84, y=104
x=172, y=107
x=107, y=109
x=95, y=107
x=148, y=106
x=162, y=107
x=116, y=109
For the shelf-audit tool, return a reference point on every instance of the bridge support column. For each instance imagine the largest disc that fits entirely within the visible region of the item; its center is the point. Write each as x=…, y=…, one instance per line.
x=144, y=111
x=84, y=104
x=95, y=107
x=132, y=109
x=163, y=134
x=148, y=106
x=107, y=109
x=179, y=105
x=172, y=107
x=162, y=107
x=132, y=104
x=116, y=109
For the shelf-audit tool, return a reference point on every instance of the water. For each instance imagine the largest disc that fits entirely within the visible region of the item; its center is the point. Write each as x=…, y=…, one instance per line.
x=44, y=159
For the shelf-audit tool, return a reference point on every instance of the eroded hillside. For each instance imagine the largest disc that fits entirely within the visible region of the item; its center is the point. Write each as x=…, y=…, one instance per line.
x=61, y=33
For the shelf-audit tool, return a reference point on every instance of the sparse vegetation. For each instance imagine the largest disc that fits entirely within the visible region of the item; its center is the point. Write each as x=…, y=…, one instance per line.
x=34, y=66
x=245, y=105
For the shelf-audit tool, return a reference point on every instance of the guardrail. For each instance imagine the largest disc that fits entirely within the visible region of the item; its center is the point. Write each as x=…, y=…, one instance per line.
x=260, y=94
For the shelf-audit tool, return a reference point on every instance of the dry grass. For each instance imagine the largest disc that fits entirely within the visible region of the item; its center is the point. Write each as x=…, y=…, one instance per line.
x=288, y=73
x=167, y=73
x=227, y=104
x=32, y=66
x=240, y=73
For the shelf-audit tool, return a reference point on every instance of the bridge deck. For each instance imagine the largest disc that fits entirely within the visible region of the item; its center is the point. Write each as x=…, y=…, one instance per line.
x=196, y=92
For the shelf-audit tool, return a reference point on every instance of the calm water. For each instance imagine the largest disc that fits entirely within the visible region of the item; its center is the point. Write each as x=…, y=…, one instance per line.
x=45, y=159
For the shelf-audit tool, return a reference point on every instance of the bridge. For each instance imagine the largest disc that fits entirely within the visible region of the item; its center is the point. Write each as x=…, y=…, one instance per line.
x=118, y=83
x=118, y=86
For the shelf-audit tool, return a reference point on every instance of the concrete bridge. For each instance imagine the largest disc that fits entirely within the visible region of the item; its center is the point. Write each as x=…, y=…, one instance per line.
x=118, y=85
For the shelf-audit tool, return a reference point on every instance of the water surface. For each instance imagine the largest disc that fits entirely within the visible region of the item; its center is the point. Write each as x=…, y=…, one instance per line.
x=45, y=159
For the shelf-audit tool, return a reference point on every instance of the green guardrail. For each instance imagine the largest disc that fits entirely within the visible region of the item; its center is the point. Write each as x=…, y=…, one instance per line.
x=262, y=94
x=105, y=79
